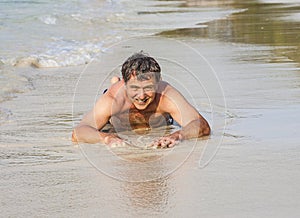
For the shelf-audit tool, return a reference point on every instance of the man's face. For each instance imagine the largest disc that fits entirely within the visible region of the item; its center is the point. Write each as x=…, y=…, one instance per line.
x=141, y=93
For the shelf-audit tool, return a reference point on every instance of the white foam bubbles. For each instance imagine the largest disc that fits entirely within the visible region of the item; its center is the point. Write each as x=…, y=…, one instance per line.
x=48, y=19
x=61, y=53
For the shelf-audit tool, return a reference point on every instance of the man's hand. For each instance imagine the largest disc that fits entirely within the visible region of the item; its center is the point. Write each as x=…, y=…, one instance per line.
x=168, y=141
x=113, y=140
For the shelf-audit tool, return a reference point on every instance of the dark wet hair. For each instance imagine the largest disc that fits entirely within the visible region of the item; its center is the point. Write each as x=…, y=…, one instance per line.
x=140, y=65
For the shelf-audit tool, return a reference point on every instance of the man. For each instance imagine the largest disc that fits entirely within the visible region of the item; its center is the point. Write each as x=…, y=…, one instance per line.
x=140, y=101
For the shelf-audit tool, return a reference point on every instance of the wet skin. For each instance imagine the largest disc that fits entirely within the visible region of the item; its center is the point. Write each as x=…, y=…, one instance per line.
x=140, y=105
x=142, y=114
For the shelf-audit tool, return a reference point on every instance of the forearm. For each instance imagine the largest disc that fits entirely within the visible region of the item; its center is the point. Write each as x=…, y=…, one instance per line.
x=88, y=134
x=194, y=129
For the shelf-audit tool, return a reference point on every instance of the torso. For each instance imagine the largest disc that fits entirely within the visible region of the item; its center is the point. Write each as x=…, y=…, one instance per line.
x=127, y=117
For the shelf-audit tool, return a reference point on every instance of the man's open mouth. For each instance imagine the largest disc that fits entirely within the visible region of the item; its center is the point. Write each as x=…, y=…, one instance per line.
x=141, y=101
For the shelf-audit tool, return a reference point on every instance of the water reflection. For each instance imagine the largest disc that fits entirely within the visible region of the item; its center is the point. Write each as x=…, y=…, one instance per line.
x=258, y=23
x=206, y=3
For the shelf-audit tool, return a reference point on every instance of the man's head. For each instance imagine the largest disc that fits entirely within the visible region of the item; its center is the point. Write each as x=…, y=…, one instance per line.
x=141, y=66
x=141, y=75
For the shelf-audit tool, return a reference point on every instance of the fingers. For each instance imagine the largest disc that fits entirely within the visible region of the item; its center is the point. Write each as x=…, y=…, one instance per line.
x=117, y=144
x=113, y=140
x=164, y=142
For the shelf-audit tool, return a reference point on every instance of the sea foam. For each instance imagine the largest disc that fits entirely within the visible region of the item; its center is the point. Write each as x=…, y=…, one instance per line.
x=48, y=19
x=62, y=54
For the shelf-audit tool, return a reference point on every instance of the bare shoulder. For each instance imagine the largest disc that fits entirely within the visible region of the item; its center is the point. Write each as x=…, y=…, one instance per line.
x=169, y=93
x=174, y=103
x=114, y=98
x=115, y=88
x=170, y=97
x=116, y=91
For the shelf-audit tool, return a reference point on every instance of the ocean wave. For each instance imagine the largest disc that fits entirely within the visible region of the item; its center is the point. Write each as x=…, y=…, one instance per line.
x=83, y=30
x=48, y=19
x=62, y=53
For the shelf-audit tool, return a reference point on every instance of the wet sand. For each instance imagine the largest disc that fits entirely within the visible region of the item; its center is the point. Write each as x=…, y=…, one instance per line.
x=255, y=172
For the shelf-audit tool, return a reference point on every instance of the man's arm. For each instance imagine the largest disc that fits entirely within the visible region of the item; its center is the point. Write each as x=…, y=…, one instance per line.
x=192, y=123
x=195, y=129
x=88, y=129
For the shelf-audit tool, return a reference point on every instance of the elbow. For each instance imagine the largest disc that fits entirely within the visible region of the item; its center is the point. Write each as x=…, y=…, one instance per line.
x=206, y=130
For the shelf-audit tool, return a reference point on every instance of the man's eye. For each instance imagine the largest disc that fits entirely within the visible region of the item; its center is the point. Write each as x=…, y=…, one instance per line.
x=134, y=88
x=148, y=89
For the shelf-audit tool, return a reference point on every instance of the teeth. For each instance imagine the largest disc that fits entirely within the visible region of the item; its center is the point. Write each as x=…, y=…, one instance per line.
x=142, y=101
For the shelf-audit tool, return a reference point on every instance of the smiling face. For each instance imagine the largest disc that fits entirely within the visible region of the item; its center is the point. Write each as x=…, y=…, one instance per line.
x=141, y=92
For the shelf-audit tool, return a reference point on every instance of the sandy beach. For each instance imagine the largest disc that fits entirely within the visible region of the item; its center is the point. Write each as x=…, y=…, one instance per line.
x=248, y=167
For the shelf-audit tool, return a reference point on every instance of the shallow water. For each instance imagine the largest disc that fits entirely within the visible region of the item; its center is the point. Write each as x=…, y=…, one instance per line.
x=68, y=33
x=72, y=33
x=246, y=85
x=268, y=23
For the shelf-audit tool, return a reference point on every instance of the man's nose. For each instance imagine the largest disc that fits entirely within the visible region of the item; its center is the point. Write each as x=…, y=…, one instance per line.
x=141, y=93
